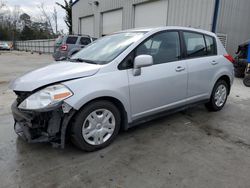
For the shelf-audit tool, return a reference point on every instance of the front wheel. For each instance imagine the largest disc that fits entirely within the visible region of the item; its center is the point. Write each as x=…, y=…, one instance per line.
x=219, y=96
x=96, y=125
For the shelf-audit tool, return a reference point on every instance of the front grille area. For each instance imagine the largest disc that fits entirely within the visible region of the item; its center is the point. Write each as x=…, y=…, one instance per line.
x=22, y=95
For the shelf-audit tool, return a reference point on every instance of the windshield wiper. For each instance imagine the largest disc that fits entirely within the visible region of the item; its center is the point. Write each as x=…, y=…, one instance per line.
x=82, y=60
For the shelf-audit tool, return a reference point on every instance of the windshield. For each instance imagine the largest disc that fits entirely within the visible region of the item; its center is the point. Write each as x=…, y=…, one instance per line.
x=107, y=48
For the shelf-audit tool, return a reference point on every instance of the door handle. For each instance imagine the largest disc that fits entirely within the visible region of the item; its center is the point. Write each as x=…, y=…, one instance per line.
x=179, y=69
x=214, y=62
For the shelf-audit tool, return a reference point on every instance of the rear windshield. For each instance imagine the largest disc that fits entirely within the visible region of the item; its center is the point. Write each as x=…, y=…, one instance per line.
x=71, y=40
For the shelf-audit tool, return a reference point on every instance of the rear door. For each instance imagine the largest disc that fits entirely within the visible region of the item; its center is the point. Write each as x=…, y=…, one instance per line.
x=202, y=62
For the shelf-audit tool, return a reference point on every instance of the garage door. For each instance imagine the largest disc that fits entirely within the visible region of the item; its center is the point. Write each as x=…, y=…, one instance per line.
x=111, y=21
x=87, y=26
x=151, y=14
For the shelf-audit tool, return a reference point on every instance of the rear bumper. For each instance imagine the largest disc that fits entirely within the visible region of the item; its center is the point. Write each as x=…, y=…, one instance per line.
x=4, y=48
x=44, y=126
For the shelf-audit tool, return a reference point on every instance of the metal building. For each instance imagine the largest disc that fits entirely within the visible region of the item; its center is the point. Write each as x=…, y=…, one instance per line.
x=228, y=18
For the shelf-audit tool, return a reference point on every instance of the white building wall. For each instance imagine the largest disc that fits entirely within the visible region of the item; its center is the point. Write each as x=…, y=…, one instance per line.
x=147, y=14
x=234, y=21
x=193, y=13
x=89, y=22
x=111, y=21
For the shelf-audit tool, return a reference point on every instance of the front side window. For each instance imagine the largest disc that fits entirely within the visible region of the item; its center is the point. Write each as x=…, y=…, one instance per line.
x=163, y=47
x=107, y=48
x=195, y=44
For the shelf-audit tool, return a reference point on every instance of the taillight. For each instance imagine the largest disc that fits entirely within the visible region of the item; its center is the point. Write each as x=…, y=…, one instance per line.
x=229, y=58
x=64, y=47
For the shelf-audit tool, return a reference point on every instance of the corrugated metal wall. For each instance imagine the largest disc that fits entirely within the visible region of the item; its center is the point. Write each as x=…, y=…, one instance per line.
x=193, y=13
x=234, y=21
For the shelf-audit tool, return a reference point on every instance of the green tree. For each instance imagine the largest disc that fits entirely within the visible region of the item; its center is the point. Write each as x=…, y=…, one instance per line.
x=27, y=33
x=68, y=9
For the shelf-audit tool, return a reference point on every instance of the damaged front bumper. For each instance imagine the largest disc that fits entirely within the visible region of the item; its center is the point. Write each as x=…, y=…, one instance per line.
x=48, y=125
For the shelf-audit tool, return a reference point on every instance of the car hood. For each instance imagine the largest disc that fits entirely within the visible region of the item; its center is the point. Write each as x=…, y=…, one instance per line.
x=53, y=73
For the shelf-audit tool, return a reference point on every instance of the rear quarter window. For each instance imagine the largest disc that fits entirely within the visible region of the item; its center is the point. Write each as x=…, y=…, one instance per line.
x=211, y=47
x=71, y=40
x=85, y=41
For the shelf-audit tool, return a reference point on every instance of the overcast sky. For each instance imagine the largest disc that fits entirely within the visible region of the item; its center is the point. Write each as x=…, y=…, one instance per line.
x=30, y=7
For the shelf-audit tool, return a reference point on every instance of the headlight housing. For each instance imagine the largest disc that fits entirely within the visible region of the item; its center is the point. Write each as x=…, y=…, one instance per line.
x=47, y=97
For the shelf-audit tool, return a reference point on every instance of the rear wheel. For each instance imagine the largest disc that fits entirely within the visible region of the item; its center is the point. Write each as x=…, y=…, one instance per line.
x=96, y=125
x=219, y=96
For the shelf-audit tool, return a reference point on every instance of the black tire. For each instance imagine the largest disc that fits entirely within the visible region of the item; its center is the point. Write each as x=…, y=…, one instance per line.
x=246, y=80
x=239, y=73
x=211, y=105
x=76, y=128
x=239, y=69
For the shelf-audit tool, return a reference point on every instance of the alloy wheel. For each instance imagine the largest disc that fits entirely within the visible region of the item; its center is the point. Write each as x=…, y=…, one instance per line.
x=220, y=95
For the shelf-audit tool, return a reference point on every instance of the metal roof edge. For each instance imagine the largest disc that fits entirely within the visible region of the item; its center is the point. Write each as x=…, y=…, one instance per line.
x=74, y=3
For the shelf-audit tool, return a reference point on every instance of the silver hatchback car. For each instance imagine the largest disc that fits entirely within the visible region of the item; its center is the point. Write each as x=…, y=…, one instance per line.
x=119, y=81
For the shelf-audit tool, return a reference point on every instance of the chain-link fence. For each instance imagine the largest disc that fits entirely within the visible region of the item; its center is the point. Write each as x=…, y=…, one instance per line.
x=40, y=46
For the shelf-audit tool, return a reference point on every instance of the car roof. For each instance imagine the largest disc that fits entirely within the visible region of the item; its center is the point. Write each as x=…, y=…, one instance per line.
x=148, y=29
x=76, y=36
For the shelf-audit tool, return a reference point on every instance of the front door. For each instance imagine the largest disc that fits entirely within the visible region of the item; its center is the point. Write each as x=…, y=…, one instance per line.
x=164, y=84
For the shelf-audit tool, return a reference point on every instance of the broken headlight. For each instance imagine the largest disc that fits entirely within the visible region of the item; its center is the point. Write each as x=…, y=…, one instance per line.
x=47, y=97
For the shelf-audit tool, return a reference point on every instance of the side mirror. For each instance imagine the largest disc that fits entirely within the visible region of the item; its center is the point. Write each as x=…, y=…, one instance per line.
x=141, y=61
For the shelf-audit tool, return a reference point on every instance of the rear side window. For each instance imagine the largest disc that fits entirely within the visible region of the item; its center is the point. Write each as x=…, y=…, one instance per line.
x=211, y=48
x=71, y=40
x=195, y=44
x=85, y=41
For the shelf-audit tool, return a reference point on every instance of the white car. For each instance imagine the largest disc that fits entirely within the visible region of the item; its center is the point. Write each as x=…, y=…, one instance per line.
x=4, y=46
x=119, y=81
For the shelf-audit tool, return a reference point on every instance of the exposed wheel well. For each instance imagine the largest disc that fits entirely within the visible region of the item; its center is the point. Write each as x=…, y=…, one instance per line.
x=227, y=80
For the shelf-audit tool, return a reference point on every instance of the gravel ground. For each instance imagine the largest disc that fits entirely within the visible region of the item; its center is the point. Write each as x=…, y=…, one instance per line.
x=193, y=148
